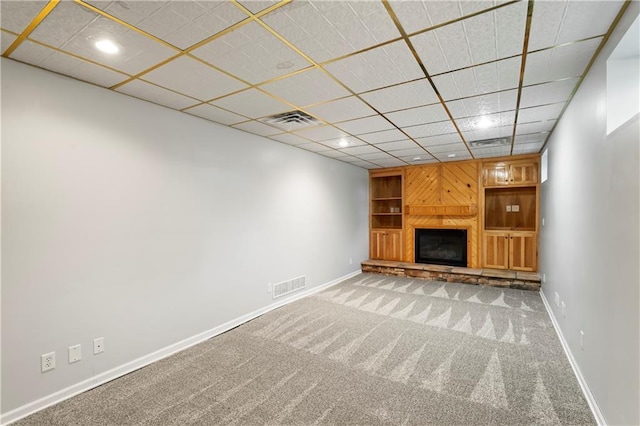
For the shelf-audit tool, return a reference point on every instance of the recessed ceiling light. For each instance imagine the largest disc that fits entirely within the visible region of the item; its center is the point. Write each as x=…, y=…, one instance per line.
x=484, y=123
x=284, y=65
x=107, y=46
x=417, y=158
x=343, y=143
x=451, y=155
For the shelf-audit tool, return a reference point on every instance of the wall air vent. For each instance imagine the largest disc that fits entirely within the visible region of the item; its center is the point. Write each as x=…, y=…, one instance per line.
x=485, y=143
x=291, y=120
x=286, y=287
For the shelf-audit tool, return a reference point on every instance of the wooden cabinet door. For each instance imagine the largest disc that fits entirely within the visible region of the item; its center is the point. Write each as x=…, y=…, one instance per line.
x=523, y=250
x=496, y=174
x=495, y=249
x=523, y=173
x=393, y=245
x=377, y=245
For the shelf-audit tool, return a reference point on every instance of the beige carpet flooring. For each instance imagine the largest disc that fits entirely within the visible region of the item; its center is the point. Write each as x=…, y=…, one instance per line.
x=372, y=350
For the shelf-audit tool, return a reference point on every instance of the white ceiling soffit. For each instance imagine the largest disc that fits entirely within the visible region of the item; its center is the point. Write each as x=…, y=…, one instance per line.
x=377, y=84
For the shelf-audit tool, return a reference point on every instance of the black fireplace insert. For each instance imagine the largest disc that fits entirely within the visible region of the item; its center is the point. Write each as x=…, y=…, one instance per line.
x=441, y=246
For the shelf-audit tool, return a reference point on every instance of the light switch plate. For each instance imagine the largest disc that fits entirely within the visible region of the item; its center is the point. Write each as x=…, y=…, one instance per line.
x=508, y=209
x=75, y=354
x=515, y=208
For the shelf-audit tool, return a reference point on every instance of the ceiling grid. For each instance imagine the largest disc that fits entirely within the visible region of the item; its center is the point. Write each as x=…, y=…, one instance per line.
x=388, y=82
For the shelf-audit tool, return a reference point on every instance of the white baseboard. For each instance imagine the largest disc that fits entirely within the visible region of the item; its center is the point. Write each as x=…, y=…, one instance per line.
x=593, y=404
x=97, y=380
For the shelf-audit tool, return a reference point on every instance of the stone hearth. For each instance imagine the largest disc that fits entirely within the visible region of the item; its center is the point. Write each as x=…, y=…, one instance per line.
x=490, y=277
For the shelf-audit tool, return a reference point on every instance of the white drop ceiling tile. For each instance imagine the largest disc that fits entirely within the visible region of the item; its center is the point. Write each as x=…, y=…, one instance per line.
x=376, y=68
x=328, y=29
x=252, y=53
x=213, y=113
x=409, y=152
x=535, y=138
x=527, y=148
x=321, y=133
x=181, y=23
x=560, y=62
x=535, y=127
x=484, y=104
x=431, y=129
x=193, y=78
x=6, y=40
x=541, y=113
x=43, y=57
x=252, y=103
x=257, y=128
x=313, y=147
x=482, y=38
x=375, y=156
x=256, y=6
x=393, y=162
x=418, y=15
x=364, y=164
x=397, y=145
x=423, y=159
x=548, y=93
x=403, y=96
x=491, y=133
x=494, y=151
x=306, y=88
x=75, y=29
x=493, y=77
x=334, y=154
x=365, y=125
x=17, y=15
x=155, y=94
x=383, y=136
x=453, y=147
x=359, y=150
x=498, y=119
x=420, y=115
x=350, y=140
x=432, y=141
x=289, y=139
x=455, y=156
x=557, y=22
x=342, y=110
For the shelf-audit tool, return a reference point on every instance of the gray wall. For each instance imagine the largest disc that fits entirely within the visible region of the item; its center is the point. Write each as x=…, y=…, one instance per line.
x=589, y=245
x=125, y=220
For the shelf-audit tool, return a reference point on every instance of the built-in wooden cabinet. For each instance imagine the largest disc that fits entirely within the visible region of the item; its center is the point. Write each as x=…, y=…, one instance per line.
x=386, y=244
x=510, y=216
x=510, y=173
x=386, y=213
x=510, y=250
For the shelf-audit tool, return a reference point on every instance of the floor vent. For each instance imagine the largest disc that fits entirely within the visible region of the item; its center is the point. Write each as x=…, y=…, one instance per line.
x=291, y=120
x=286, y=287
x=491, y=142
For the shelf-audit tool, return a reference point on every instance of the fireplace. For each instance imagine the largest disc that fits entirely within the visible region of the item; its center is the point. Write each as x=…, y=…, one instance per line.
x=441, y=246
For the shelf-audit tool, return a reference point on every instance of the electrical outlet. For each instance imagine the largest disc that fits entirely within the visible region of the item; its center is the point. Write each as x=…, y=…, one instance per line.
x=269, y=288
x=557, y=300
x=581, y=339
x=75, y=354
x=515, y=208
x=350, y=261
x=563, y=308
x=98, y=345
x=544, y=278
x=47, y=361
x=543, y=221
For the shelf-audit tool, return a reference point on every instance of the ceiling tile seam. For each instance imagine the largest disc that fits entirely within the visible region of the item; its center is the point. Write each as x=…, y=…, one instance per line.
x=395, y=19
x=10, y=32
x=148, y=70
x=170, y=90
x=604, y=40
x=315, y=64
x=81, y=58
x=523, y=65
x=32, y=26
x=568, y=43
x=365, y=92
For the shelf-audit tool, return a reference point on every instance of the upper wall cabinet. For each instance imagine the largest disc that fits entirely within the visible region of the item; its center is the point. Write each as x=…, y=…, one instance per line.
x=510, y=173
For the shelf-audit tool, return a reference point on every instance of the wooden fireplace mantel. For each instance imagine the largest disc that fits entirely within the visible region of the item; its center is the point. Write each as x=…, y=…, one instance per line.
x=440, y=210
